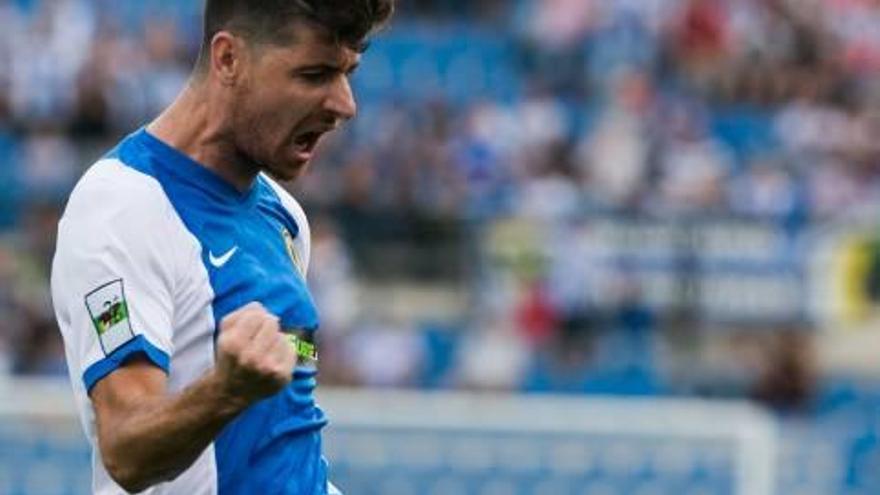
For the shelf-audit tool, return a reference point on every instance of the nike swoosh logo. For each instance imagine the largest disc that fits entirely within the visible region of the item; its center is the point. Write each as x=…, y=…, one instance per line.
x=220, y=261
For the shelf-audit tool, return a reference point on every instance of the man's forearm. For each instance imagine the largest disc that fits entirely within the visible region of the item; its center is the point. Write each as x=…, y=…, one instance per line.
x=160, y=437
x=146, y=436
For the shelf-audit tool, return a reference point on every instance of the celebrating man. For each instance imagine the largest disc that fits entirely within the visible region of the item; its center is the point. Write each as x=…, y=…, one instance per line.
x=179, y=278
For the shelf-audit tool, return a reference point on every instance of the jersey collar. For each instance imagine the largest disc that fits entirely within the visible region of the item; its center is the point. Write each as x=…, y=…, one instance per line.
x=185, y=168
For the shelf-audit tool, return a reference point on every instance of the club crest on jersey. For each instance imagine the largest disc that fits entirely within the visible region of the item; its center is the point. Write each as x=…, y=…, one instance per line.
x=108, y=311
x=291, y=251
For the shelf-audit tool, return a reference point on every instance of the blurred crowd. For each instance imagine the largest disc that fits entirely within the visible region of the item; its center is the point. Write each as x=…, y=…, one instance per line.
x=547, y=110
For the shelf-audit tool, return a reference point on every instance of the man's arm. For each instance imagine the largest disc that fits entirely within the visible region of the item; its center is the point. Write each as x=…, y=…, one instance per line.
x=146, y=436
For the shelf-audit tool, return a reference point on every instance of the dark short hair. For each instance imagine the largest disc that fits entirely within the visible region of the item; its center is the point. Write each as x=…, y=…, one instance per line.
x=349, y=22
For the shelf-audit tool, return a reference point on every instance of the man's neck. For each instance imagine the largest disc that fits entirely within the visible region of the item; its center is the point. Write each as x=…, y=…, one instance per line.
x=199, y=130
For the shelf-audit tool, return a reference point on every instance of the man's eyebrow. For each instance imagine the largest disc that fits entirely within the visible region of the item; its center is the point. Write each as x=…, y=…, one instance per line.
x=326, y=66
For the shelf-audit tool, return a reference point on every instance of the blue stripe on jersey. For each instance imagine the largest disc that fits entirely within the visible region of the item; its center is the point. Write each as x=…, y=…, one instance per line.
x=138, y=346
x=274, y=447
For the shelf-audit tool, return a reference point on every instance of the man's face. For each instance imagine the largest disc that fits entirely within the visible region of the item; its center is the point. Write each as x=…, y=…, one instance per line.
x=290, y=96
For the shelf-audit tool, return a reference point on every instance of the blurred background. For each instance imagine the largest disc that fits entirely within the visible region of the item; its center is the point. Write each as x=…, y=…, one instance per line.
x=662, y=199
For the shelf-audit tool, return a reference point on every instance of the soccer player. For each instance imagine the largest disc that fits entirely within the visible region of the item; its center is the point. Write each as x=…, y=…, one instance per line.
x=179, y=277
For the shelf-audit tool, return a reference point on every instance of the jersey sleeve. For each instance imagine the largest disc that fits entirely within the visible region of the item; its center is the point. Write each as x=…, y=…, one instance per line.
x=113, y=274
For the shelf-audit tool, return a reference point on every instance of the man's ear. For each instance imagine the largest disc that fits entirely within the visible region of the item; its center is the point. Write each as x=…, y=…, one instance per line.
x=227, y=57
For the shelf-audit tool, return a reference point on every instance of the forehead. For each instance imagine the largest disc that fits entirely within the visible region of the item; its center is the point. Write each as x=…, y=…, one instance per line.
x=304, y=43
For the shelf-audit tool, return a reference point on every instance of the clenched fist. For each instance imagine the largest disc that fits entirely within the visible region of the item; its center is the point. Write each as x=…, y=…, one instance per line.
x=254, y=359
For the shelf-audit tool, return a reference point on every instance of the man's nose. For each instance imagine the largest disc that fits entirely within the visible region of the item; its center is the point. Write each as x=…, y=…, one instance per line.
x=341, y=100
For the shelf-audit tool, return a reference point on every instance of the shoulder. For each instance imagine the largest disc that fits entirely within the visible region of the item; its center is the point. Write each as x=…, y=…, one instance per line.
x=118, y=212
x=111, y=186
x=293, y=208
x=303, y=241
x=289, y=202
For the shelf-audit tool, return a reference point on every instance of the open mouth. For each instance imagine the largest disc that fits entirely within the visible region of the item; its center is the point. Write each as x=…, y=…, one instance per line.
x=306, y=142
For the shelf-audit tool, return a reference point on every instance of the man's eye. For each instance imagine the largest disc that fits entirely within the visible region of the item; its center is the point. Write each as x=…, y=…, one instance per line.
x=316, y=77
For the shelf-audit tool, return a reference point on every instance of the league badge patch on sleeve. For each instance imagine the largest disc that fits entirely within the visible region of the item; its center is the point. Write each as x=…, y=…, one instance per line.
x=108, y=310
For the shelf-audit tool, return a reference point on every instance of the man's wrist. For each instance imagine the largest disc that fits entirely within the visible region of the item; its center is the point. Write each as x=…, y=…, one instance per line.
x=228, y=403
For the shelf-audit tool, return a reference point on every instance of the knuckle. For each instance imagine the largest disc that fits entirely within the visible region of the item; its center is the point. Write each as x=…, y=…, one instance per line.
x=231, y=317
x=227, y=343
x=234, y=330
x=255, y=308
x=270, y=320
x=247, y=313
x=251, y=306
x=281, y=352
x=261, y=328
x=246, y=321
x=229, y=323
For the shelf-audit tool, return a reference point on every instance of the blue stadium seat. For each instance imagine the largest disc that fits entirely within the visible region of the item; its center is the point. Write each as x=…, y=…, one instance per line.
x=747, y=131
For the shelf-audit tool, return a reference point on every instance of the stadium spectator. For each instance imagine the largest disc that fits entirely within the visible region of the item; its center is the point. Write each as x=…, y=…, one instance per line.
x=580, y=111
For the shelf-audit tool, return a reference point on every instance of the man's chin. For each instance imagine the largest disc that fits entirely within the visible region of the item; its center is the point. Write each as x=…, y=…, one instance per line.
x=288, y=172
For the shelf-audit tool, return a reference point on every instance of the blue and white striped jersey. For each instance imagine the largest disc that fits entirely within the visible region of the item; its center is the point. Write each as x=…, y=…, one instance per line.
x=153, y=251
